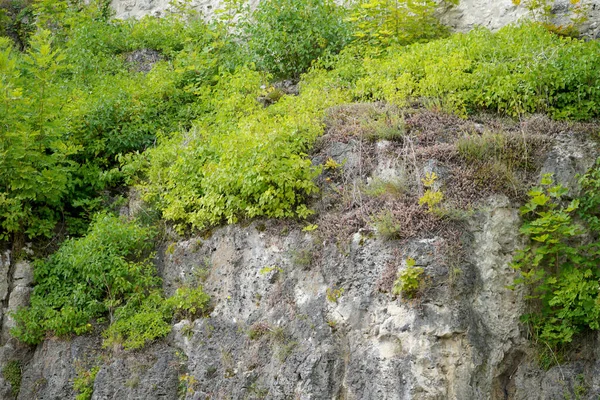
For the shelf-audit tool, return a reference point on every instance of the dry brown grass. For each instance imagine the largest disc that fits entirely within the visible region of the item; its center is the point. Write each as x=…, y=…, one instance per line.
x=480, y=156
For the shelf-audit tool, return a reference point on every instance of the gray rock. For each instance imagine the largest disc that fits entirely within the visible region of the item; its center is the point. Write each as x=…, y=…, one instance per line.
x=153, y=374
x=143, y=60
x=492, y=14
x=20, y=290
x=49, y=374
x=570, y=157
x=4, y=274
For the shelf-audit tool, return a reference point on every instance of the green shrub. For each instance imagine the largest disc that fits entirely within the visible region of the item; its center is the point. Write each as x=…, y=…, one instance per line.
x=410, y=280
x=385, y=22
x=241, y=159
x=12, y=373
x=286, y=36
x=484, y=70
x=149, y=318
x=72, y=108
x=83, y=383
x=558, y=266
x=34, y=165
x=188, y=303
x=87, y=279
x=139, y=322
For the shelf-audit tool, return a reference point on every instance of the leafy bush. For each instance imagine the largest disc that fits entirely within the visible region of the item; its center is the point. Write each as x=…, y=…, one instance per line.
x=107, y=273
x=385, y=22
x=34, y=164
x=73, y=108
x=86, y=279
x=410, y=280
x=286, y=36
x=241, y=159
x=83, y=383
x=12, y=373
x=140, y=322
x=559, y=267
x=188, y=303
x=484, y=70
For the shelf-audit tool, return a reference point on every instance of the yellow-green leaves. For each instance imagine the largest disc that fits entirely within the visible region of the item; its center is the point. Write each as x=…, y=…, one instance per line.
x=410, y=280
x=432, y=196
x=241, y=159
x=386, y=22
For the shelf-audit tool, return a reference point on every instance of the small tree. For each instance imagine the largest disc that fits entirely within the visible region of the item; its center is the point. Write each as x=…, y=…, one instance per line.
x=385, y=22
x=286, y=36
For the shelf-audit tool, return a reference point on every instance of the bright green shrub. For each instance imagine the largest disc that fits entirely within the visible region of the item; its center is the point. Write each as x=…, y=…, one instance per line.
x=519, y=69
x=285, y=36
x=410, y=280
x=87, y=279
x=141, y=322
x=559, y=266
x=188, y=303
x=386, y=22
x=34, y=155
x=241, y=159
x=83, y=383
x=72, y=108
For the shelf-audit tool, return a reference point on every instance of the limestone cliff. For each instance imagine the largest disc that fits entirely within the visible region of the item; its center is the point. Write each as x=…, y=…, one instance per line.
x=492, y=14
x=309, y=314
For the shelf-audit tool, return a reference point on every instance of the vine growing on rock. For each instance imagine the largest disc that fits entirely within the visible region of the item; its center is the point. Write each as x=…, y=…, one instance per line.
x=560, y=265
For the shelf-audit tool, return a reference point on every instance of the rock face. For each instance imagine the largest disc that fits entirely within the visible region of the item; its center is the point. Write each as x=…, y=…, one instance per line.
x=305, y=315
x=283, y=331
x=139, y=8
x=492, y=14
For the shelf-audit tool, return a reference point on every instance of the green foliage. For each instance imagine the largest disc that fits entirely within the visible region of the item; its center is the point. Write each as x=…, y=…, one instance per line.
x=188, y=303
x=241, y=159
x=139, y=322
x=285, y=36
x=12, y=373
x=73, y=106
x=387, y=226
x=88, y=278
x=432, y=196
x=410, y=280
x=76, y=113
x=559, y=267
x=149, y=318
x=484, y=70
x=385, y=22
x=334, y=294
x=83, y=383
x=34, y=165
